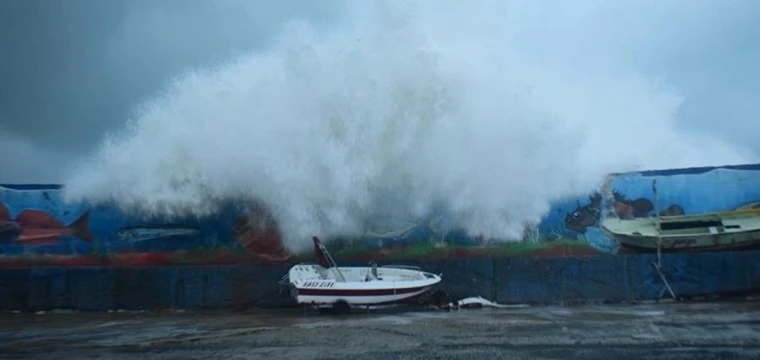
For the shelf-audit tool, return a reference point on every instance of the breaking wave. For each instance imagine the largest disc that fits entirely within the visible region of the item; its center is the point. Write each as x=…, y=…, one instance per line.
x=487, y=111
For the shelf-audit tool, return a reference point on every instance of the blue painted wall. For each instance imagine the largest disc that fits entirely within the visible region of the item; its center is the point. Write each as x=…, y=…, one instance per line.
x=687, y=190
x=105, y=223
x=606, y=276
x=679, y=191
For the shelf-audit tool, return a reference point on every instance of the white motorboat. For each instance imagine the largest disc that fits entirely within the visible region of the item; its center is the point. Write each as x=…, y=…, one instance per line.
x=325, y=283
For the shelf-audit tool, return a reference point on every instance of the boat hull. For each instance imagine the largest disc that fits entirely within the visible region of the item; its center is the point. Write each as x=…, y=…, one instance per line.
x=703, y=243
x=724, y=231
x=361, y=296
x=325, y=283
x=635, y=245
x=312, y=284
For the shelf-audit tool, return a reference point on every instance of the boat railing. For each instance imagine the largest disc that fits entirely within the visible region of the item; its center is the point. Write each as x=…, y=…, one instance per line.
x=413, y=267
x=410, y=267
x=307, y=263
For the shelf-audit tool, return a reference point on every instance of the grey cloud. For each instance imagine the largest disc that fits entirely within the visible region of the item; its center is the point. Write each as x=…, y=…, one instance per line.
x=72, y=70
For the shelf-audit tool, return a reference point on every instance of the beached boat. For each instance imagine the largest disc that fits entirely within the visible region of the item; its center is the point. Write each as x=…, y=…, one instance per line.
x=727, y=230
x=325, y=283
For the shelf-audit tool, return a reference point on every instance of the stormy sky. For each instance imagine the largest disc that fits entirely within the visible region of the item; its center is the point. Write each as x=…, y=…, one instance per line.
x=72, y=70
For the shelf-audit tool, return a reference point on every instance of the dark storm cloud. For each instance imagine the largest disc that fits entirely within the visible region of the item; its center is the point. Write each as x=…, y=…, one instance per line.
x=71, y=70
x=49, y=69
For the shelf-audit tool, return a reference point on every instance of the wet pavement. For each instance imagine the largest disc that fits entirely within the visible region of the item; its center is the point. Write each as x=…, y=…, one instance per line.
x=664, y=331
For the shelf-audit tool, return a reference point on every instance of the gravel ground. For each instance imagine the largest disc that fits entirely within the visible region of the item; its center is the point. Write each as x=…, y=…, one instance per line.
x=666, y=331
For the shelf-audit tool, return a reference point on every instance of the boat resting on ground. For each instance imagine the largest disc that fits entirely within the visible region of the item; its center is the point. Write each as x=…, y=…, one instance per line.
x=726, y=230
x=326, y=284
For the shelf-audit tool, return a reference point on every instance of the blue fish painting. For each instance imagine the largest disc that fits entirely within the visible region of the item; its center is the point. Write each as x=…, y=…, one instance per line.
x=143, y=233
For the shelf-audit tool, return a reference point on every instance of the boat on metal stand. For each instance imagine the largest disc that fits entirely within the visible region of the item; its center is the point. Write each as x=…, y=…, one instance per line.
x=724, y=230
x=728, y=230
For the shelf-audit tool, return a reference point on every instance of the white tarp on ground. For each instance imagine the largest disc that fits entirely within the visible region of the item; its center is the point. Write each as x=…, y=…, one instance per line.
x=479, y=301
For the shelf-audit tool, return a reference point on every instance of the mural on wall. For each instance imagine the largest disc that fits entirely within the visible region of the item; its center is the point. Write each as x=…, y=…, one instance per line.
x=258, y=233
x=37, y=227
x=34, y=227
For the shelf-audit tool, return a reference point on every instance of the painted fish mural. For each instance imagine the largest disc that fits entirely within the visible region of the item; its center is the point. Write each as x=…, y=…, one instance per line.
x=35, y=227
x=586, y=216
x=33, y=215
x=625, y=208
x=151, y=232
x=259, y=234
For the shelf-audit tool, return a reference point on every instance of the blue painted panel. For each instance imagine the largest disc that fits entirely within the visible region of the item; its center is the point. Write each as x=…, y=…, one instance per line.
x=627, y=277
x=717, y=190
x=42, y=209
x=513, y=280
x=708, y=273
x=14, y=288
x=681, y=191
x=48, y=230
x=563, y=280
x=463, y=277
x=34, y=220
x=85, y=287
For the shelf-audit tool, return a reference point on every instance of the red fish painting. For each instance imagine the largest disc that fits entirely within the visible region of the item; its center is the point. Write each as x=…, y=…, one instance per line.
x=258, y=232
x=35, y=227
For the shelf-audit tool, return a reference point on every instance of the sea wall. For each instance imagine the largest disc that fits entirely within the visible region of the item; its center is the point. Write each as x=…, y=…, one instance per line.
x=558, y=280
x=56, y=254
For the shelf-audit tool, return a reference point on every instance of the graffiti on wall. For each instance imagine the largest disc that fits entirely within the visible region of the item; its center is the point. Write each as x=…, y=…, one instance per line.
x=36, y=226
